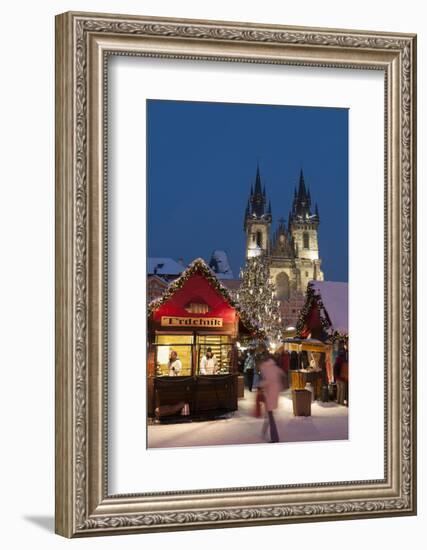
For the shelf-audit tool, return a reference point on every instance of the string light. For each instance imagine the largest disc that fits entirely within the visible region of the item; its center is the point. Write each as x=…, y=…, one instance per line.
x=258, y=298
x=313, y=299
x=200, y=266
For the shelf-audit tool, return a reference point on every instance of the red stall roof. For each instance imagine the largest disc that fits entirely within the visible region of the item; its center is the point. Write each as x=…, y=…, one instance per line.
x=199, y=282
x=325, y=309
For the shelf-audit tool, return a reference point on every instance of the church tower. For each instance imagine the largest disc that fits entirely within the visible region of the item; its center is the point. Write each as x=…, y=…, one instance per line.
x=257, y=220
x=303, y=227
x=291, y=250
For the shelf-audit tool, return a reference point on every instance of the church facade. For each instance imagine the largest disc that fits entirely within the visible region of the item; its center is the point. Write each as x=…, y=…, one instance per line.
x=291, y=249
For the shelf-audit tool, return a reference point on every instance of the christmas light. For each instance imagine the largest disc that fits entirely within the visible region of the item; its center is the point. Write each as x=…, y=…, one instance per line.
x=257, y=297
x=313, y=299
x=199, y=265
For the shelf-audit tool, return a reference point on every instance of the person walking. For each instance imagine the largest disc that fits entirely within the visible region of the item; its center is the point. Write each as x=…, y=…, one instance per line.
x=260, y=355
x=248, y=368
x=271, y=383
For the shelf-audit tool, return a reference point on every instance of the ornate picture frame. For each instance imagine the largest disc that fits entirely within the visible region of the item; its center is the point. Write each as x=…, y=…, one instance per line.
x=84, y=42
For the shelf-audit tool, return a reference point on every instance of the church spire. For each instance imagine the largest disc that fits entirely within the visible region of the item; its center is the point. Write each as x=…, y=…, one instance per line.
x=302, y=193
x=258, y=197
x=257, y=208
x=257, y=222
x=301, y=207
x=258, y=190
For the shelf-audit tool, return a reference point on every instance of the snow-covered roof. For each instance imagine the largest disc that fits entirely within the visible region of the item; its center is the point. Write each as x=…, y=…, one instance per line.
x=220, y=264
x=156, y=279
x=163, y=266
x=334, y=296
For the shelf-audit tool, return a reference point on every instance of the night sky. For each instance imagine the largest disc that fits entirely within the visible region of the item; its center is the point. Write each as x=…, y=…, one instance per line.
x=202, y=160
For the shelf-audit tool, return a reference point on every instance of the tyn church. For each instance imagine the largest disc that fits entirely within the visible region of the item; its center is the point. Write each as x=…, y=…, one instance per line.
x=292, y=251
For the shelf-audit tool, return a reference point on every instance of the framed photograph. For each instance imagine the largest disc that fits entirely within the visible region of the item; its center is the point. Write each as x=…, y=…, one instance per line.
x=235, y=274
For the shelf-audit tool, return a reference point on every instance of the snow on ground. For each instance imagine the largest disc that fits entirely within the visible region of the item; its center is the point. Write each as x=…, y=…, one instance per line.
x=328, y=421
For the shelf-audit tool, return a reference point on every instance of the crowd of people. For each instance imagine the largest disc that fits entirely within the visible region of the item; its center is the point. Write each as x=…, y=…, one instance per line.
x=267, y=375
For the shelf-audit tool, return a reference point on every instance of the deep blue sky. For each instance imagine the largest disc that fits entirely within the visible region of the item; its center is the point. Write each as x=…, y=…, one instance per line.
x=202, y=160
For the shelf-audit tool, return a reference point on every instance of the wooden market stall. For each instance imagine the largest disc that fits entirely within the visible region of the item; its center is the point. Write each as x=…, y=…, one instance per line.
x=300, y=373
x=322, y=331
x=194, y=319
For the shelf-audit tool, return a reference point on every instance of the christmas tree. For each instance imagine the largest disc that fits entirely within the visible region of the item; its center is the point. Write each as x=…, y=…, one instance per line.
x=257, y=296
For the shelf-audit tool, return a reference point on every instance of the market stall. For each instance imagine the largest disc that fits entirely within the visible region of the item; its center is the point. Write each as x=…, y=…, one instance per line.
x=193, y=329
x=306, y=359
x=322, y=330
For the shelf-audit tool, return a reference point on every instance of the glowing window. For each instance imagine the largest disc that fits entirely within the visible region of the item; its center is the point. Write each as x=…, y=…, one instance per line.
x=197, y=307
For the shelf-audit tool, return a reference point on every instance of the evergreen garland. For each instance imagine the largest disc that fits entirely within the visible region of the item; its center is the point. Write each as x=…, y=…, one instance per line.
x=313, y=299
x=200, y=266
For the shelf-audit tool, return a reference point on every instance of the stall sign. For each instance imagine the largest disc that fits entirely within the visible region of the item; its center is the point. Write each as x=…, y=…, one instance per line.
x=212, y=322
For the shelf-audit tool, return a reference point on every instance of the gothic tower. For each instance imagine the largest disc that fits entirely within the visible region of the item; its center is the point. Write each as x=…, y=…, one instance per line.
x=257, y=220
x=292, y=250
x=303, y=227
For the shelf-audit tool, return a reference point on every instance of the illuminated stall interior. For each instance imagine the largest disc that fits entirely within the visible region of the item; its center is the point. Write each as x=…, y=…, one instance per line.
x=190, y=349
x=322, y=328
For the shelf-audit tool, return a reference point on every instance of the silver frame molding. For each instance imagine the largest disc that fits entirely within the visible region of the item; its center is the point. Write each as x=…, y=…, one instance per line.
x=84, y=42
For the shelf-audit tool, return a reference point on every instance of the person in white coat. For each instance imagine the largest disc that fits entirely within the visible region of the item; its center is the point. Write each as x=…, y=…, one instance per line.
x=175, y=365
x=271, y=384
x=209, y=363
